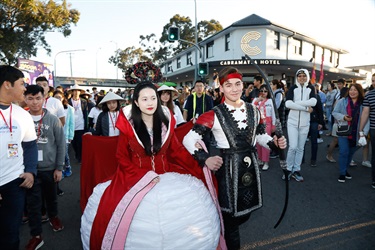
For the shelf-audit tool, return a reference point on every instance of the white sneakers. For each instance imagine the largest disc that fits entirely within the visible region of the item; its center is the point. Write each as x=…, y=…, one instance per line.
x=265, y=166
x=366, y=164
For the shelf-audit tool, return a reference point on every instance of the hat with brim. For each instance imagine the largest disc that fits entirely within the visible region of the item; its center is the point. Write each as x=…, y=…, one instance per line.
x=165, y=87
x=110, y=96
x=76, y=87
x=83, y=94
x=170, y=84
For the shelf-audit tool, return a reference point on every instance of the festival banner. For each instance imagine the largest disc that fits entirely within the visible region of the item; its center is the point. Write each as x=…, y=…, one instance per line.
x=313, y=75
x=33, y=69
x=321, y=76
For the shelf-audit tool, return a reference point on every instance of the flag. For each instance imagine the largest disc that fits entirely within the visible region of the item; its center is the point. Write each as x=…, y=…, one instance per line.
x=321, y=76
x=313, y=75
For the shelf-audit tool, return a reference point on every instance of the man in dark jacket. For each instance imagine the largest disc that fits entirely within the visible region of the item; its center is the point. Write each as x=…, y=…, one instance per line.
x=316, y=124
x=197, y=103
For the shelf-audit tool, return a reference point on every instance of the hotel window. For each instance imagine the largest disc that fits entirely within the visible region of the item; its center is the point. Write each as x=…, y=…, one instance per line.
x=297, y=46
x=188, y=59
x=178, y=62
x=227, y=41
x=331, y=55
x=277, y=40
x=313, y=51
x=169, y=68
x=210, y=49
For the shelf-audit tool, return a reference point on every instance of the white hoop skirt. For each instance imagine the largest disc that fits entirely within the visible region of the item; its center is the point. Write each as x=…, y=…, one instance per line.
x=178, y=213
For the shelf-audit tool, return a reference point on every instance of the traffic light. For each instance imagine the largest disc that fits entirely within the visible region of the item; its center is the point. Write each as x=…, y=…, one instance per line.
x=173, y=34
x=203, y=69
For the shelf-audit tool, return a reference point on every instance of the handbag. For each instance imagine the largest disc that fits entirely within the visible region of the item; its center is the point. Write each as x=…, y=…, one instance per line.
x=344, y=130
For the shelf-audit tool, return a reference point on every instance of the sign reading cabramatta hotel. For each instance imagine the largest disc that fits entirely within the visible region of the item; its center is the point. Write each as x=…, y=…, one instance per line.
x=247, y=62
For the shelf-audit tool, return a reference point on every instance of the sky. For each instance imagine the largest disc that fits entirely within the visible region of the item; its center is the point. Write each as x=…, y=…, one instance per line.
x=107, y=25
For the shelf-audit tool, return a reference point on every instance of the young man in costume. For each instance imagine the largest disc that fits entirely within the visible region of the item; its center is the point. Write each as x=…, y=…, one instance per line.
x=236, y=126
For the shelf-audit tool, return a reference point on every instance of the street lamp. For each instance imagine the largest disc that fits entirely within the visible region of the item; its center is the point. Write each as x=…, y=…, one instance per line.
x=196, y=42
x=116, y=59
x=64, y=51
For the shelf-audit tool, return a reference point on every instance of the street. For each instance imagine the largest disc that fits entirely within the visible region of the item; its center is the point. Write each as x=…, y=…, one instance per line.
x=322, y=213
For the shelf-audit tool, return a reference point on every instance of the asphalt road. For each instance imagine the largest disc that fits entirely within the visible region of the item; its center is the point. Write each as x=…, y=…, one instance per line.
x=322, y=213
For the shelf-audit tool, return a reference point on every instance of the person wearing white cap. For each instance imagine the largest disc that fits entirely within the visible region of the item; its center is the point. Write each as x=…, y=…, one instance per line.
x=166, y=96
x=80, y=119
x=106, y=123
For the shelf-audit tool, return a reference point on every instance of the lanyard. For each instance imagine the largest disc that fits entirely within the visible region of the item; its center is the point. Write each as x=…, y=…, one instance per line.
x=195, y=103
x=45, y=103
x=113, y=123
x=39, y=126
x=10, y=120
x=76, y=104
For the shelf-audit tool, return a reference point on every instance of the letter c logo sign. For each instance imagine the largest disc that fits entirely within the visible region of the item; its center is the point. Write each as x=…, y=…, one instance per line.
x=245, y=43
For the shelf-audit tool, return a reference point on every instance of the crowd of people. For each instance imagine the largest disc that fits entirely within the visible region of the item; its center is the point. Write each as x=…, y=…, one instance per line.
x=39, y=124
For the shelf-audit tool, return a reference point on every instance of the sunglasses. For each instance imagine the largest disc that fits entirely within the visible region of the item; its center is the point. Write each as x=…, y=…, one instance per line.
x=263, y=91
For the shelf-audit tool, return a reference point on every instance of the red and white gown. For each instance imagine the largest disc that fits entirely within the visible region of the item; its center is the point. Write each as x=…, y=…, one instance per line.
x=175, y=213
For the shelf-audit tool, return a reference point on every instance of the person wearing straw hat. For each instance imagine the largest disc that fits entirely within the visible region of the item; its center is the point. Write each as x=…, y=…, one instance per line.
x=106, y=122
x=166, y=96
x=87, y=97
x=80, y=119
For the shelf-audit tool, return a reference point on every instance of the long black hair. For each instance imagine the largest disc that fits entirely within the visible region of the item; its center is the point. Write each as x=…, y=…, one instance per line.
x=140, y=126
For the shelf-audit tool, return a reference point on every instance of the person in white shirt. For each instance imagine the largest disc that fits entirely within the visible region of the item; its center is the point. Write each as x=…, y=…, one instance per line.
x=53, y=105
x=18, y=155
x=94, y=113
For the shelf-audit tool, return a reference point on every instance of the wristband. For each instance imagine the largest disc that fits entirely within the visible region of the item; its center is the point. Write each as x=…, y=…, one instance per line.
x=361, y=134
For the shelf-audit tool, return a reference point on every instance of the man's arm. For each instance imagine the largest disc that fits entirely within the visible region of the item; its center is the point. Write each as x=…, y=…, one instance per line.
x=62, y=120
x=364, y=118
x=201, y=127
x=60, y=146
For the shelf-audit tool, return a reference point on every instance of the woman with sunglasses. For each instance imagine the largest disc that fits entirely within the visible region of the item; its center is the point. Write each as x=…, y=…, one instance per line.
x=268, y=117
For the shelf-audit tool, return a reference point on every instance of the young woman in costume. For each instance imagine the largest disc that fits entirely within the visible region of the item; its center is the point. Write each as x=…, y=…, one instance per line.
x=177, y=211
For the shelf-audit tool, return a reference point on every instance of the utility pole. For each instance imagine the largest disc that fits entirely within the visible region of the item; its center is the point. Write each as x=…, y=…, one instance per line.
x=65, y=51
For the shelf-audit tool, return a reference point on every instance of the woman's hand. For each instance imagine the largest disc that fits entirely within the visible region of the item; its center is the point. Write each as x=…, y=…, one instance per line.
x=348, y=118
x=280, y=142
x=214, y=162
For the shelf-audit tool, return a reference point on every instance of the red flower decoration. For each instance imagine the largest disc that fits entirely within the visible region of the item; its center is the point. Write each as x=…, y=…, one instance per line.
x=143, y=71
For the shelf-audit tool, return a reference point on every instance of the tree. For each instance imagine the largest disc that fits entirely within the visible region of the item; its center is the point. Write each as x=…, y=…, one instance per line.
x=187, y=32
x=24, y=23
x=158, y=50
x=127, y=57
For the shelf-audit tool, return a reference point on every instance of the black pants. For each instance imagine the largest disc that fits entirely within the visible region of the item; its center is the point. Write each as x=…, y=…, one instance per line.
x=11, y=208
x=372, y=137
x=77, y=144
x=44, y=186
x=232, y=230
